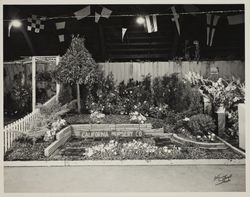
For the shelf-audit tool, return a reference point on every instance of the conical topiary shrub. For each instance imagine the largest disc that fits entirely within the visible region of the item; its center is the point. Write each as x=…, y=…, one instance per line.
x=76, y=66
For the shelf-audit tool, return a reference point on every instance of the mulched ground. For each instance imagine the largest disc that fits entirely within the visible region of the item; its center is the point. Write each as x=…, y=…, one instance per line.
x=25, y=151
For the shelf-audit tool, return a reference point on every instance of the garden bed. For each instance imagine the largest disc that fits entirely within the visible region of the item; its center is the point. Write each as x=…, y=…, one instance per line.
x=139, y=149
x=118, y=142
x=147, y=148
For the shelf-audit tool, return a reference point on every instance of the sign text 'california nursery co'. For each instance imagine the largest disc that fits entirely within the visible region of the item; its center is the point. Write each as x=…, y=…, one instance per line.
x=108, y=134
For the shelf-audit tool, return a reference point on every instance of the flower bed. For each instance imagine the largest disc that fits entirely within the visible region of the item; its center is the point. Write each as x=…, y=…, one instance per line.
x=139, y=149
x=149, y=147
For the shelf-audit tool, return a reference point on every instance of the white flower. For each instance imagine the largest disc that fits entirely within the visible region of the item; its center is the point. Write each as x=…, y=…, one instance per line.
x=90, y=152
x=235, y=99
x=48, y=133
x=186, y=119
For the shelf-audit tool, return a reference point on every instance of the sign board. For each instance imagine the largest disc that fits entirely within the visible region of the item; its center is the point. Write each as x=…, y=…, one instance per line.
x=109, y=134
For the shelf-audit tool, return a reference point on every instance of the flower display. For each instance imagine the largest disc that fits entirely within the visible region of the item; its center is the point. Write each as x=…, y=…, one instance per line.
x=136, y=117
x=55, y=127
x=220, y=92
x=96, y=117
x=134, y=149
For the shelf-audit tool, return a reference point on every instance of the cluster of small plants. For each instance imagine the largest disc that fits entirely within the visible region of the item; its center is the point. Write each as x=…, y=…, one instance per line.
x=153, y=98
x=18, y=101
x=54, y=128
x=134, y=149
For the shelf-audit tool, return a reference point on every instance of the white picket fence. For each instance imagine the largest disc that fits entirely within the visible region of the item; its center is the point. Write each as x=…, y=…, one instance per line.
x=13, y=130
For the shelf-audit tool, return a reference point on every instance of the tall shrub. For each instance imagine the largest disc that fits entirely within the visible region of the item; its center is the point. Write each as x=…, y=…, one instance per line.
x=76, y=66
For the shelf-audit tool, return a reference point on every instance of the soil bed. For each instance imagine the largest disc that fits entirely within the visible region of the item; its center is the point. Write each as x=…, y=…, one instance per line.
x=25, y=151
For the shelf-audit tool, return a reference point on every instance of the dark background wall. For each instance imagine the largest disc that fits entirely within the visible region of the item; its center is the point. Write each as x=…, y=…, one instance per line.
x=104, y=39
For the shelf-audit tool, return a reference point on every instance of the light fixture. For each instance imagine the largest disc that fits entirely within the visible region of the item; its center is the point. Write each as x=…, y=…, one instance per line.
x=140, y=20
x=14, y=23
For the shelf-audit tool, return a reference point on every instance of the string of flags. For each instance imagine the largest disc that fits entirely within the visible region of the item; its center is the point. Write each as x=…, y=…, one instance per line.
x=212, y=21
x=36, y=23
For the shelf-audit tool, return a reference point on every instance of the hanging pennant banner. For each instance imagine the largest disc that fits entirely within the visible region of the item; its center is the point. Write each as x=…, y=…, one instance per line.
x=97, y=17
x=61, y=26
x=209, y=16
x=61, y=38
x=191, y=9
x=123, y=32
x=176, y=19
x=235, y=19
x=151, y=23
x=82, y=13
x=212, y=21
x=215, y=21
x=106, y=13
x=36, y=23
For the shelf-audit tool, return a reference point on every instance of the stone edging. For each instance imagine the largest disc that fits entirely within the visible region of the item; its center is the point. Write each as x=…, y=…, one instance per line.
x=203, y=144
x=232, y=147
x=123, y=163
x=61, y=137
x=73, y=130
x=67, y=132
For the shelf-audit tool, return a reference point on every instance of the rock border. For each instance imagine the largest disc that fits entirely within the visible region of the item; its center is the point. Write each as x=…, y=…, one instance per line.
x=232, y=147
x=74, y=130
x=216, y=145
x=61, y=137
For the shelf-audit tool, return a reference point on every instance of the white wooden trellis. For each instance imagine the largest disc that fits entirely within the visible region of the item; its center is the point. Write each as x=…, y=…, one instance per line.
x=13, y=130
x=55, y=59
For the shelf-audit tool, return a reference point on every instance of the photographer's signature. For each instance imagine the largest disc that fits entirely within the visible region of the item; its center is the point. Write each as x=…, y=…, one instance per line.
x=220, y=178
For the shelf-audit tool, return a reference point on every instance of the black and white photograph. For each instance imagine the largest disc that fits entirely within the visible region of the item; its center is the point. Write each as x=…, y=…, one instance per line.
x=117, y=97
